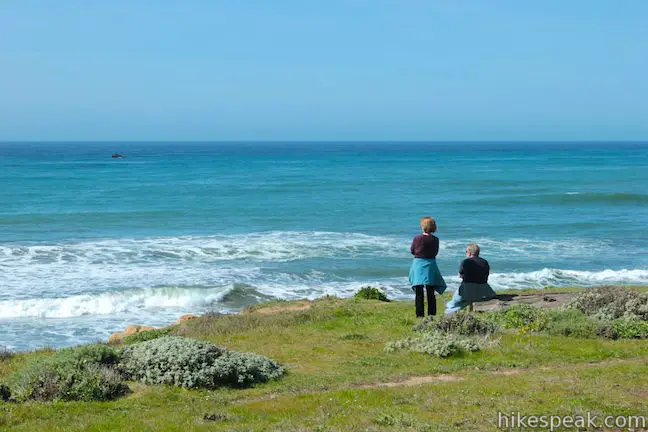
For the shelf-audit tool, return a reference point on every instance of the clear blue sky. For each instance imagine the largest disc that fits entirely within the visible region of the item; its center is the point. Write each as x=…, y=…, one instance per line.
x=333, y=70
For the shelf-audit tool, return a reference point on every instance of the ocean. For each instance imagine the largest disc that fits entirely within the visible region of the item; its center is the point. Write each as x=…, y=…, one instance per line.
x=91, y=243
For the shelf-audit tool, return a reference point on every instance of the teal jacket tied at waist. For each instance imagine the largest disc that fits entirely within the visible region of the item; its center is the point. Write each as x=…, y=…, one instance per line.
x=424, y=271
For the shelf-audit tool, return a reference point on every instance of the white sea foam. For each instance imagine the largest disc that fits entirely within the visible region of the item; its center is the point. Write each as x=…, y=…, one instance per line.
x=518, y=248
x=558, y=277
x=278, y=246
x=105, y=277
x=111, y=303
x=134, y=302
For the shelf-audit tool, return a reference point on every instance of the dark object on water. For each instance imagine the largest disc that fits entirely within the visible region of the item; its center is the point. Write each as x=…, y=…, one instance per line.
x=117, y=156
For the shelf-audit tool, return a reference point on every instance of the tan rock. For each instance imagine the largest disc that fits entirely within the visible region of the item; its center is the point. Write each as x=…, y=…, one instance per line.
x=115, y=337
x=135, y=328
x=186, y=317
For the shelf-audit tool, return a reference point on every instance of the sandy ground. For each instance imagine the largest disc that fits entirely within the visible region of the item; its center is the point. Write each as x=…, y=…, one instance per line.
x=501, y=301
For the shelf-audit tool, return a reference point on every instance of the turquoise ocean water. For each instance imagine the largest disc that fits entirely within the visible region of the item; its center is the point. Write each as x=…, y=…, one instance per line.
x=89, y=244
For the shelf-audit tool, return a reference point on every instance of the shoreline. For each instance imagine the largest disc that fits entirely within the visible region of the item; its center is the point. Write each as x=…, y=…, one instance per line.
x=341, y=375
x=526, y=295
x=546, y=298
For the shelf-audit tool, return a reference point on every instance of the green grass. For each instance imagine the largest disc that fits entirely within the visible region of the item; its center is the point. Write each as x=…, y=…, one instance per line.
x=334, y=353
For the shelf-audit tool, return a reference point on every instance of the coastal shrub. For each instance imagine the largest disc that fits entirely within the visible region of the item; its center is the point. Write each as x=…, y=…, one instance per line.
x=191, y=363
x=609, y=303
x=523, y=317
x=97, y=354
x=606, y=330
x=5, y=392
x=5, y=353
x=146, y=335
x=242, y=369
x=435, y=343
x=66, y=380
x=576, y=324
x=371, y=293
x=466, y=324
x=425, y=324
x=80, y=373
x=631, y=328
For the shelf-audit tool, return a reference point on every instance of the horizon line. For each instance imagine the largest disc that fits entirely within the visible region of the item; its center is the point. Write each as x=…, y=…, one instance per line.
x=315, y=141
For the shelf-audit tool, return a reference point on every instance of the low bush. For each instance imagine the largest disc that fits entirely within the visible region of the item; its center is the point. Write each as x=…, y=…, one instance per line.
x=466, y=324
x=242, y=369
x=609, y=303
x=523, y=317
x=631, y=328
x=576, y=324
x=82, y=373
x=5, y=392
x=98, y=354
x=5, y=353
x=371, y=293
x=435, y=343
x=146, y=335
x=607, y=330
x=425, y=324
x=67, y=383
x=191, y=363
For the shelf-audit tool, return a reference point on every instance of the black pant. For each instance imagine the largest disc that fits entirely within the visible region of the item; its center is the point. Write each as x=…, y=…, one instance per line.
x=419, y=300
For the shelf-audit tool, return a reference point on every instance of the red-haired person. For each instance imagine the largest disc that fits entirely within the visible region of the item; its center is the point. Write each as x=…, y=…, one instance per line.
x=424, y=273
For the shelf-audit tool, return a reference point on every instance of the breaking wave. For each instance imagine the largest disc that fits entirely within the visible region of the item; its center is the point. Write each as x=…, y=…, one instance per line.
x=236, y=296
x=558, y=277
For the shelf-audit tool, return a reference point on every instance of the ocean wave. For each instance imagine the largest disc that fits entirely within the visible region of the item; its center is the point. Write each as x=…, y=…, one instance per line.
x=532, y=248
x=559, y=277
x=134, y=302
x=280, y=258
x=163, y=300
x=111, y=303
x=277, y=246
x=271, y=246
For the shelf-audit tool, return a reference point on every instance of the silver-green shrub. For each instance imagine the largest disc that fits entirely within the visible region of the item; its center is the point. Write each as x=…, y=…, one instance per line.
x=191, y=363
x=245, y=368
x=436, y=343
x=465, y=323
x=610, y=303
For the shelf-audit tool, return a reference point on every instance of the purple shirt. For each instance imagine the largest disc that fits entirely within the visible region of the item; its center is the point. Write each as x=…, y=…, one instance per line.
x=425, y=246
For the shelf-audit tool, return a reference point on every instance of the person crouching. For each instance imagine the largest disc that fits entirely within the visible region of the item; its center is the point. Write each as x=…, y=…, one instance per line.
x=474, y=287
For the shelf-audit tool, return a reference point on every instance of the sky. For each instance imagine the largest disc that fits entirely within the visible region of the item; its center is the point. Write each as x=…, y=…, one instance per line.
x=451, y=70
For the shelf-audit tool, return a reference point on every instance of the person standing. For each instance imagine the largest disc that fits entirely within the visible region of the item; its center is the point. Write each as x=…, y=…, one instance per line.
x=424, y=273
x=474, y=272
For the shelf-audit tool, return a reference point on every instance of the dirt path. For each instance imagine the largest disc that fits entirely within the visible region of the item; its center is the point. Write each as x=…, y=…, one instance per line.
x=540, y=300
x=293, y=306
